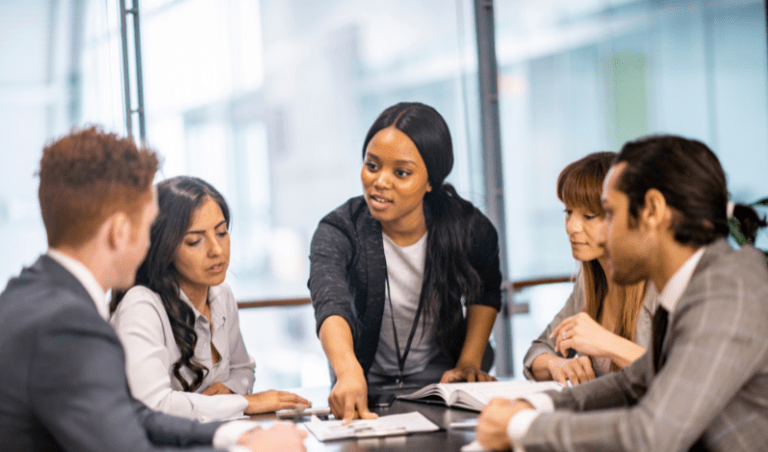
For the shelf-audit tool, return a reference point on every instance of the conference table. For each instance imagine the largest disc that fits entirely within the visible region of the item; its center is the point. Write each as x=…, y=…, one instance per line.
x=446, y=440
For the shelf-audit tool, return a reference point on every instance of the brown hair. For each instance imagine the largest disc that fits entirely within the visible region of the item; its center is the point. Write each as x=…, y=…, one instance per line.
x=580, y=184
x=87, y=176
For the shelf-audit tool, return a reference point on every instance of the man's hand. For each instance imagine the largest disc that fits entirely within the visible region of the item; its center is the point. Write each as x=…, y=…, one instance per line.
x=268, y=401
x=576, y=370
x=217, y=388
x=493, y=421
x=465, y=372
x=278, y=438
x=349, y=398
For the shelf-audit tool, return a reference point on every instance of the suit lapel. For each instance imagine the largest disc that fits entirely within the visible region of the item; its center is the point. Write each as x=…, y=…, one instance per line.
x=711, y=253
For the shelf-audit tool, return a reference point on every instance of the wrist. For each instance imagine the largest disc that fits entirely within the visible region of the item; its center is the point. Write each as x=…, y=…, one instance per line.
x=254, y=403
x=348, y=369
x=612, y=345
x=553, y=363
x=462, y=362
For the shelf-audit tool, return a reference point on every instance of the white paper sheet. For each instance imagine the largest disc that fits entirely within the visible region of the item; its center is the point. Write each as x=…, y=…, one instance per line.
x=394, y=424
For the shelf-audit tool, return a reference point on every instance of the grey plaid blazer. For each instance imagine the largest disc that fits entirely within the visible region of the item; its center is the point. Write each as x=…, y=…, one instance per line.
x=712, y=389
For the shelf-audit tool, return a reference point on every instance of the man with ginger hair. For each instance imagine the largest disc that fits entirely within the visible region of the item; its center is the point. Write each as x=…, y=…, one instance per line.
x=62, y=383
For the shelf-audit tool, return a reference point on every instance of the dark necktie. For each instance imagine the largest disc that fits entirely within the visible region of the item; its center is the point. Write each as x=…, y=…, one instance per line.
x=660, y=320
x=659, y=330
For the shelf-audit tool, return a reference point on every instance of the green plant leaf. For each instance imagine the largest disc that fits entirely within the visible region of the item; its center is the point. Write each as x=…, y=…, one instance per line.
x=733, y=224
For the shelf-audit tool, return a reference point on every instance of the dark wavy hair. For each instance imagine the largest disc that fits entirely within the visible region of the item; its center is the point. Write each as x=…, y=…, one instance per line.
x=689, y=176
x=178, y=198
x=449, y=277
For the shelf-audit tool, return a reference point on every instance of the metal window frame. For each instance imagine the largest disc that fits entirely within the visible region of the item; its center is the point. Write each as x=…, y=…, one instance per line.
x=133, y=11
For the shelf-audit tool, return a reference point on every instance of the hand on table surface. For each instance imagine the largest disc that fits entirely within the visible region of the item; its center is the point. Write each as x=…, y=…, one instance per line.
x=465, y=372
x=349, y=398
x=576, y=370
x=272, y=400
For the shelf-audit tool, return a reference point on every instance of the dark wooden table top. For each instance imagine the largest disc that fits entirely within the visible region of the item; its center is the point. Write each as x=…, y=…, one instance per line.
x=445, y=440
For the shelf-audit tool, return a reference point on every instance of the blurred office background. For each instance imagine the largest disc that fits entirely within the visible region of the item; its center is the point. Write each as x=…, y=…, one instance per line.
x=269, y=100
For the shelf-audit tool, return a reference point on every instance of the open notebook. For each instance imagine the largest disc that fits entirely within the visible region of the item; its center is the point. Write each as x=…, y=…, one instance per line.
x=474, y=396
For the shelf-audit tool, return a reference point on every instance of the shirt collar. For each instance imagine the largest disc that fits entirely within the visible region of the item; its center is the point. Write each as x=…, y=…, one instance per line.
x=85, y=277
x=213, y=296
x=677, y=284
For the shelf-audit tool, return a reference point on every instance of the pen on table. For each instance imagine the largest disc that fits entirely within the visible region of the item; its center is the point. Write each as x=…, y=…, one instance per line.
x=301, y=412
x=370, y=433
x=465, y=423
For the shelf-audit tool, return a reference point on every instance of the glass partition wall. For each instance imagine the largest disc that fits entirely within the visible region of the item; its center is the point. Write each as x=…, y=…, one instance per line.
x=269, y=100
x=581, y=77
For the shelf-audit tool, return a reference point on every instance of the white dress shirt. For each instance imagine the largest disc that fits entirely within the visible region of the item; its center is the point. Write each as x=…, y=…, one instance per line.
x=226, y=436
x=668, y=298
x=143, y=326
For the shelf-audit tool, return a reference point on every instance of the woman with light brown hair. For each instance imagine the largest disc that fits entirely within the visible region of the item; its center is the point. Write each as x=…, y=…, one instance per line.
x=603, y=326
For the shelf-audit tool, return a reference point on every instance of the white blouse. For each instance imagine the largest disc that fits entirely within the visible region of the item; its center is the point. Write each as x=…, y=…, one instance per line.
x=145, y=331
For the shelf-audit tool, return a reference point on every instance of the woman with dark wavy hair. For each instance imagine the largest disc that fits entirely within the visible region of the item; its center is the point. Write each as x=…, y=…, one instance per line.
x=404, y=279
x=179, y=325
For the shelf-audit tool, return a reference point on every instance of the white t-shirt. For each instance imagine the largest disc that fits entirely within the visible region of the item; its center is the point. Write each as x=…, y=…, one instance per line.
x=405, y=270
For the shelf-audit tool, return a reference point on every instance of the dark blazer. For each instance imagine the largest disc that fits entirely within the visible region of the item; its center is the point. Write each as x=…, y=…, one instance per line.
x=348, y=269
x=712, y=390
x=62, y=378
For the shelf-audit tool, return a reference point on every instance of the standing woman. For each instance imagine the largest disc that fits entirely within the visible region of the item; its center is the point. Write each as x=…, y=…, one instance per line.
x=179, y=325
x=607, y=324
x=394, y=271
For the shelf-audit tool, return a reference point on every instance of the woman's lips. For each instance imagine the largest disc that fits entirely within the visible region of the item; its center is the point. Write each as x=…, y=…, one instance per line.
x=378, y=202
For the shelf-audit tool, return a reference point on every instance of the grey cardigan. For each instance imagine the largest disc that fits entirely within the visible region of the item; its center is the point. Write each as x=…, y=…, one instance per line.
x=574, y=305
x=348, y=269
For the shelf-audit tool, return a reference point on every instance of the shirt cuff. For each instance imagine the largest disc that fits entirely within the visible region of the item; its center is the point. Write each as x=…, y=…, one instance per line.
x=227, y=435
x=518, y=427
x=520, y=423
x=541, y=402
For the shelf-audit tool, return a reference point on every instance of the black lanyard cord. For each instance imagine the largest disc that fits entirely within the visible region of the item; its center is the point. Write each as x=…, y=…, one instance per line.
x=401, y=359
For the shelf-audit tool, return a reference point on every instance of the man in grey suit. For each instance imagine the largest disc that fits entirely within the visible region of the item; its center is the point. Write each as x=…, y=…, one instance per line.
x=704, y=385
x=62, y=381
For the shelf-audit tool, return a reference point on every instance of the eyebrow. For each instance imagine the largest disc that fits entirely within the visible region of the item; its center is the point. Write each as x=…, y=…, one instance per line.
x=399, y=162
x=203, y=232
